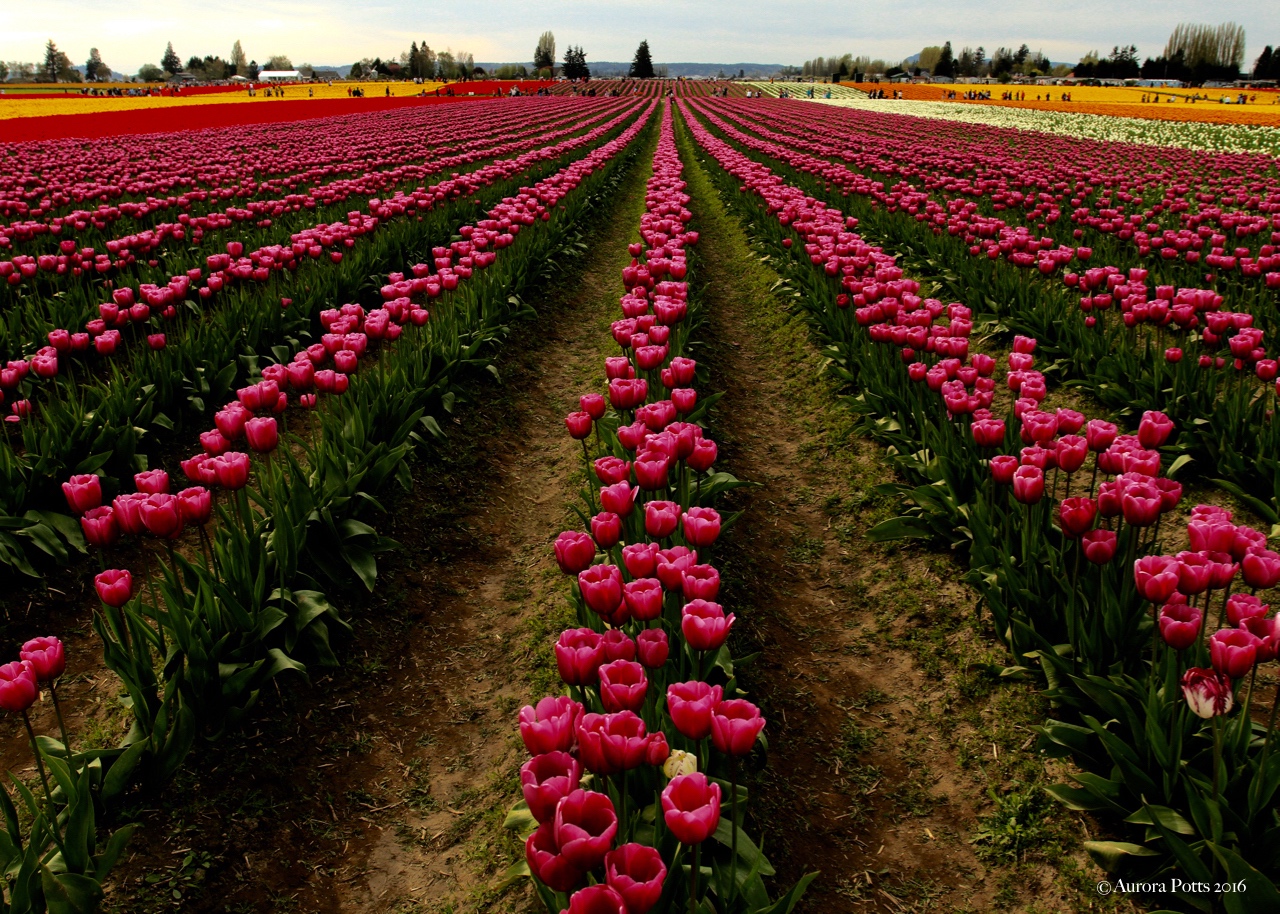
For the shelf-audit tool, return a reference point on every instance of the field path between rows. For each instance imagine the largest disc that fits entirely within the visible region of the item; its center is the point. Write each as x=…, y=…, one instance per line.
x=384, y=788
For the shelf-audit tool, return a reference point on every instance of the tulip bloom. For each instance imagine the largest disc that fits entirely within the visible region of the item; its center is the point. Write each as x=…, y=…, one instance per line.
x=1003, y=468
x=262, y=433
x=705, y=625
x=619, y=498
x=232, y=470
x=575, y=551
x=1154, y=429
x=644, y=598
x=593, y=405
x=162, y=515
x=612, y=743
x=701, y=526
x=611, y=470
x=623, y=686
x=1156, y=577
x=1076, y=516
x=601, y=587
x=153, y=482
x=579, y=425
x=1099, y=546
x=1233, y=651
x=1208, y=693
x=550, y=726
x=1028, y=484
x=579, y=653
x=547, y=864
x=83, y=493
x=690, y=705
x=547, y=779
x=701, y=582
x=596, y=899
x=672, y=564
x=1179, y=625
x=128, y=512
x=653, y=648
x=196, y=504
x=18, y=688
x=114, y=586
x=1261, y=569
x=636, y=872
x=47, y=658
x=606, y=528
x=651, y=469
x=100, y=526
x=641, y=559
x=661, y=518
x=691, y=807
x=735, y=725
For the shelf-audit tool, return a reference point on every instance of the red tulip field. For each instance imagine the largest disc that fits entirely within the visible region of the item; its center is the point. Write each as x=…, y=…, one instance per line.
x=665, y=500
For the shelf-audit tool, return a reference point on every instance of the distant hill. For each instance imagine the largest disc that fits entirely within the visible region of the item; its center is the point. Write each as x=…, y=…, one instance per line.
x=620, y=68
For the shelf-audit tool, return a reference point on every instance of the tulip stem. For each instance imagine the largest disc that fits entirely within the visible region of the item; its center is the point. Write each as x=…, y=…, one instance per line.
x=733, y=817
x=693, y=881
x=44, y=779
x=57, y=710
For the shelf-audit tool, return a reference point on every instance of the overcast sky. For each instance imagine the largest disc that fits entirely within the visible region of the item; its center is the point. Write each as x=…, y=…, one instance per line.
x=132, y=33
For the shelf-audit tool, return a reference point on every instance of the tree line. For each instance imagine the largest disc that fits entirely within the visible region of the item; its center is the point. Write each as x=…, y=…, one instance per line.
x=1194, y=53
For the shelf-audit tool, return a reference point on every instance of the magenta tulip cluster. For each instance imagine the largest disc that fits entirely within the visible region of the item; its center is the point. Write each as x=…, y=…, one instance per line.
x=647, y=600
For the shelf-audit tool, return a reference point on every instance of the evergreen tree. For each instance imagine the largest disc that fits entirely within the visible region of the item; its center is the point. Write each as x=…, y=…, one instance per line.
x=171, y=63
x=575, y=63
x=49, y=72
x=946, y=65
x=94, y=68
x=1264, y=65
x=642, y=63
x=252, y=70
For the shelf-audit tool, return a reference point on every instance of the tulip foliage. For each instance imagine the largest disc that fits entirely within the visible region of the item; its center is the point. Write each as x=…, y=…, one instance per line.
x=1152, y=658
x=95, y=386
x=50, y=852
x=285, y=482
x=631, y=794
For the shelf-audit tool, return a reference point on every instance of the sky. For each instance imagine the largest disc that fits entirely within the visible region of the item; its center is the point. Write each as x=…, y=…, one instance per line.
x=129, y=34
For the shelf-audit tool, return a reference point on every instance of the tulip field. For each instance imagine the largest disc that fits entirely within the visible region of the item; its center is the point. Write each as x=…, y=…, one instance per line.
x=390, y=505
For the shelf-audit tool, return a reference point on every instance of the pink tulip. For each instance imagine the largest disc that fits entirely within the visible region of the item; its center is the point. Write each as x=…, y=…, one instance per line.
x=653, y=648
x=546, y=862
x=114, y=586
x=691, y=807
x=579, y=653
x=644, y=598
x=153, y=482
x=47, y=657
x=82, y=493
x=705, y=625
x=1179, y=625
x=100, y=526
x=575, y=551
x=18, y=688
x=690, y=705
x=550, y=725
x=262, y=434
x=546, y=779
x=1233, y=651
x=596, y=899
x=735, y=725
x=623, y=686
x=701, y=526
x=637, y=873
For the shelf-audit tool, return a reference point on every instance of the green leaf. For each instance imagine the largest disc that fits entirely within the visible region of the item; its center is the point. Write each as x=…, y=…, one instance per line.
x=520, y=820
x=70, y=893
x=748, y=853
x=1110, y=855
x=1168, y=818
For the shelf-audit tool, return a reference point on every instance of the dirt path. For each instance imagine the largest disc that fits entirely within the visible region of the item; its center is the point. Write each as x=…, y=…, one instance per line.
x=384, y=787
x=882, y=741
